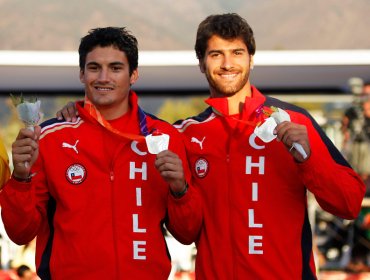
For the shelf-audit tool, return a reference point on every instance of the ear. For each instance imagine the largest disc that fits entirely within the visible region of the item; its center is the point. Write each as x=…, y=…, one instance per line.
x=134, y=76
x=82, y=76
x=251, y=63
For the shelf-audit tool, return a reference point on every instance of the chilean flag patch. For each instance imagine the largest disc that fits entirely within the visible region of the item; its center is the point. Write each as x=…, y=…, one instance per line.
x=76, y=174
x=201, y=167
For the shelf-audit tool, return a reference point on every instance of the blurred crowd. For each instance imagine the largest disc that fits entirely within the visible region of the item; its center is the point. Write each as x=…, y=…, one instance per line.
x=347, y=243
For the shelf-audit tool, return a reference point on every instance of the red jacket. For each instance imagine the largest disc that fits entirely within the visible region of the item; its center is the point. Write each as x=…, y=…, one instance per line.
x=97, y=203
x=255, y=215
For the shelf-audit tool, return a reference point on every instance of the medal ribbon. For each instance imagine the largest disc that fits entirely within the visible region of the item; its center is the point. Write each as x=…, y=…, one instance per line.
x=91, y=109
x=250, y=123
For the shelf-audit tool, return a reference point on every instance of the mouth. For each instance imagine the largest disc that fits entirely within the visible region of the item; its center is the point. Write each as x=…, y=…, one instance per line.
x=103, y=89
x=229, y=76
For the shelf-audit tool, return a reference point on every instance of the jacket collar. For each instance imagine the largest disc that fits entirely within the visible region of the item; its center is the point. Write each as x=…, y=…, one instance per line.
x=251, y=104
x=89, y=112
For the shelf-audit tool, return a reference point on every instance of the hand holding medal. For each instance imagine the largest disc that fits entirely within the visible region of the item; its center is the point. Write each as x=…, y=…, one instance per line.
x=266, y=131
x=157, y=142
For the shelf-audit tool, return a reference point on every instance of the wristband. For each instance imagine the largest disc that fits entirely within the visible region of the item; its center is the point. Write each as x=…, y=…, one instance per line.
x=182, y=193
x=23, y=180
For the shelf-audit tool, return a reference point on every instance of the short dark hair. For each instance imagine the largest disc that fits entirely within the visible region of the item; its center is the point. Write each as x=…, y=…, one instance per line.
x=118, y=37
x=227, y=26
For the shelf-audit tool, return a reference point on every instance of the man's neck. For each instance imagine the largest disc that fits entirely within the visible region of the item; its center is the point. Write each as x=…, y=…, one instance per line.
x=237, y=101
x=116, y=113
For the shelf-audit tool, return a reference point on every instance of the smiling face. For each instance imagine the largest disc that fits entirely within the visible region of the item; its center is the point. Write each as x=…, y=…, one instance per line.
x=107, y=81
x=227, y=65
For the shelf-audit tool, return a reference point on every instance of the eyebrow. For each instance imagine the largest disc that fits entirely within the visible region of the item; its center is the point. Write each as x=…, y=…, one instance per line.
x=232, y=50
x=240, y=49
x=115, y=63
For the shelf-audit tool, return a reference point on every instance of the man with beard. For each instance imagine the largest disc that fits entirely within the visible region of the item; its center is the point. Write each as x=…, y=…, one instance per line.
x=255, y=223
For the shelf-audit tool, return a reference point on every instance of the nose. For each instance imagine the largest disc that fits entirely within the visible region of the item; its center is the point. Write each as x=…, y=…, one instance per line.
x=103, y=75
x=226, y=62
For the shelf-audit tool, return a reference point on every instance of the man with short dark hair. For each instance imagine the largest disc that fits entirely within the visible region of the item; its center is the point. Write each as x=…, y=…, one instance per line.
x=257, y=159
x=97, y=191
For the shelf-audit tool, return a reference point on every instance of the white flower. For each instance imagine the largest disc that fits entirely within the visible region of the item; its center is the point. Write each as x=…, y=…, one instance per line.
x=28, y=111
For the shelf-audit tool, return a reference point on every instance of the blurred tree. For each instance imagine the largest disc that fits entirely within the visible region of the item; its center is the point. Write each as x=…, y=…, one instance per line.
x=4, y=165
x=173, y=110
x=10, y=132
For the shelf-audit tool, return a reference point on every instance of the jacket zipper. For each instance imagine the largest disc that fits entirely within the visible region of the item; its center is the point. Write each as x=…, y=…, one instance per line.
x=230, y=134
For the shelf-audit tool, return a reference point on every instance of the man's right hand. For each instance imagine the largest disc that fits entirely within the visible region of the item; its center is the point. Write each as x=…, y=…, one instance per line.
x=25, y=151
x=68, y=112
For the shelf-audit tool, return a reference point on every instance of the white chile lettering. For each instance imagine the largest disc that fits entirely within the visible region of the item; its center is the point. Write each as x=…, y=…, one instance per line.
x=139, y=250
x=255, y=241
x=249, y=164
x=139, y=246
x=135, y=224
x=142, y=170
x=254, y=191
x=251, y=222
x=254, y=245
x=138, y=197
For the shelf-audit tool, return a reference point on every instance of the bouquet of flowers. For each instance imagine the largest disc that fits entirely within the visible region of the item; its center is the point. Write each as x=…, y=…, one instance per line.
x=28, y=110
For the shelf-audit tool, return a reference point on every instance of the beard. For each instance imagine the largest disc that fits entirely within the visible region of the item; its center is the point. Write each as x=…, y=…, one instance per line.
x=219, y=89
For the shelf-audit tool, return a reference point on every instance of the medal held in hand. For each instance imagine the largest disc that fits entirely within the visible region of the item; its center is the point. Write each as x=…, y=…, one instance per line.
x=157, y=142
x=265, y=130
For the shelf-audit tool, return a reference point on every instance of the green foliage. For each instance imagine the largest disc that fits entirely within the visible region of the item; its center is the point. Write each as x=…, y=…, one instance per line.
x=173, y=110
x=16, y=100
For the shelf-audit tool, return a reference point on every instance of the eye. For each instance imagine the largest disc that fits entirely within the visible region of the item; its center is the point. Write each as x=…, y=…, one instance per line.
x=116, y=68
x=214, y=54
x=92, y=68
